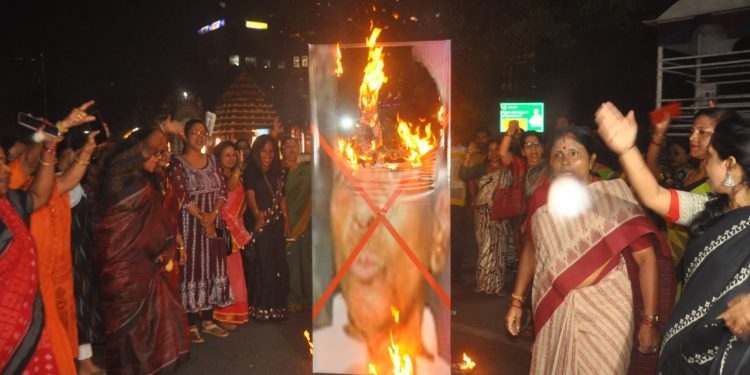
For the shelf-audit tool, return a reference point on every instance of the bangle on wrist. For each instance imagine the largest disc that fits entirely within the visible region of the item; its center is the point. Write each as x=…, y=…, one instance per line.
x=60, y=128
x=517, y=297
x=83, y=162
x=516, y=303
x=657, y=143
x=47, y=164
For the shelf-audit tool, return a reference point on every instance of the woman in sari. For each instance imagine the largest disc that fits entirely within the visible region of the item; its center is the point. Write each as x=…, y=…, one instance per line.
x=50, y=228
x=299, y=203
x=25, y=345
x=534, y=167
x=144, y=321
x=695, y=180
x=201, y=193
x=493, y=236
x=266, y=269
x=230, y=162
x=582, y=297
x=709, y=328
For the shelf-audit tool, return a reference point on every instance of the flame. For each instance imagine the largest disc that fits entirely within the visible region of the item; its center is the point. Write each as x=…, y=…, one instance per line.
x=468, y=363
x=394, y=312
x=309, y=341
x=416, y=146
x=347, y=150
x=339, y=68
x=217, y=141
x=372, y=81
x=204, y=149
x=402, y=364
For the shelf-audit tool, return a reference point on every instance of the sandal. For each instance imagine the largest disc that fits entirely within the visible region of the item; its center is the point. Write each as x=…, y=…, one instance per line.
x=195, y=335
x=229, y=327
x=211, y=328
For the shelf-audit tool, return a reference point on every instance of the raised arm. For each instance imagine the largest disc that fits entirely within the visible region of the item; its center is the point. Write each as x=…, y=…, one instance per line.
x=658, y=138
x=41, y=186
x=505, y=155
x=74, y=174
x=619, y=133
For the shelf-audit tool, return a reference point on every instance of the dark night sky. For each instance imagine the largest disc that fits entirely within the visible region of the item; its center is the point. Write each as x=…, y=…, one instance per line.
x=123, y=52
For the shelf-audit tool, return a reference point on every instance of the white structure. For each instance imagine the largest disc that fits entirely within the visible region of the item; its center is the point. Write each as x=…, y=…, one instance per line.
x=703, y=54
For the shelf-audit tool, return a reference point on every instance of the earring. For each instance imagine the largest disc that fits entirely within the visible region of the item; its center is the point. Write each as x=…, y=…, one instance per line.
x=729, y=181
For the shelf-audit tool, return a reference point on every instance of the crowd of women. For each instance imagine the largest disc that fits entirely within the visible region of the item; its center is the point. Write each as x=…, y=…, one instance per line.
x=652, y=277
x=140, y=252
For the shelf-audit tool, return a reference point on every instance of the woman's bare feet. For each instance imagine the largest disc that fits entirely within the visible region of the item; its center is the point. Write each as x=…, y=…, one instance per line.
x=87, y=367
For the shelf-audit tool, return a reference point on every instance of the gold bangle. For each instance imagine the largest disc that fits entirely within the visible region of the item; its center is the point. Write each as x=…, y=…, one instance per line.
x=46, y=164
x=83, y=162
x=60, y=128
x=517, y=297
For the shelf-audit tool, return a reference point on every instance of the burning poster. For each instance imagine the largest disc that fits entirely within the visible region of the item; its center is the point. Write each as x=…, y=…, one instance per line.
x=381, y=227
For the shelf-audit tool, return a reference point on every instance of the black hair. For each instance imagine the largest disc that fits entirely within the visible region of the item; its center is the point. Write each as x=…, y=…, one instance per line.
x=580, y=134
x=530, y=133
x=731, y=138
x=191, y=123
x=254, y=161
x=104, y=166
x=219, y=149
x=716, y=114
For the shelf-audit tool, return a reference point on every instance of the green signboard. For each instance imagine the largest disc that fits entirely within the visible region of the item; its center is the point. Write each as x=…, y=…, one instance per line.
x=530, y=116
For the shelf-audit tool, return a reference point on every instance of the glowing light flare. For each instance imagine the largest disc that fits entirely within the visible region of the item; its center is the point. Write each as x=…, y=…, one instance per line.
x=371, y=370
x=440, y=117
x=468, y=364
x=568, y=197
x=372, y=81
x=204, y=149
x=217, y=141
x=309, y=340
x=339, y=68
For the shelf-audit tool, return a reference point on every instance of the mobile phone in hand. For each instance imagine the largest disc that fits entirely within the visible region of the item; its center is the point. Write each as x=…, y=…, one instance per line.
x=97, y=126
x=33, y=124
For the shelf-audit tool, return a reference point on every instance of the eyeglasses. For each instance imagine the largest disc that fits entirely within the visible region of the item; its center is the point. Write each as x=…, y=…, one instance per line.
x=532, y=144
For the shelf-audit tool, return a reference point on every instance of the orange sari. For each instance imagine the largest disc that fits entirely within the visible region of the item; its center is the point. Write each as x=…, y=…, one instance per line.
x=50, y=228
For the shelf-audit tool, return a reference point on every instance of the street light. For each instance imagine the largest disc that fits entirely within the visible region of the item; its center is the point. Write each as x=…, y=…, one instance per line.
x=346, y=122
x=257, y=25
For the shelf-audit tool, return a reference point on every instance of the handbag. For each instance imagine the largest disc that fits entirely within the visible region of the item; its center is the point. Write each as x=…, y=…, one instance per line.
x=510, y=201
x=223, y=234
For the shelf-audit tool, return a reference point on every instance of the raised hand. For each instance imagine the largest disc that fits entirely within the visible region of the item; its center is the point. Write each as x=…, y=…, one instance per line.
x=617, y=131
x=77, y=117
x=660, y=128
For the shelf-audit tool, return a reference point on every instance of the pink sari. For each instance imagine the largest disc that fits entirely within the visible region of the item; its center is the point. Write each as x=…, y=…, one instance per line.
x=589, y=329
x=236, y=313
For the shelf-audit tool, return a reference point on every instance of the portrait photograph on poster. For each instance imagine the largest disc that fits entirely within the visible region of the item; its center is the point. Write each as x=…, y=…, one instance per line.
x=381, y=225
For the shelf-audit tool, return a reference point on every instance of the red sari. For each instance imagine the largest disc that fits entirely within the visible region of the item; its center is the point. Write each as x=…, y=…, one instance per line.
x=25, y=346
x=236, y=313
x=145, y=323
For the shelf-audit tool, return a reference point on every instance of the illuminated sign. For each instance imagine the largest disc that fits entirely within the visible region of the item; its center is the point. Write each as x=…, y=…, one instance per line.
x=257, y=25
x=530, y=116
x=214, y=26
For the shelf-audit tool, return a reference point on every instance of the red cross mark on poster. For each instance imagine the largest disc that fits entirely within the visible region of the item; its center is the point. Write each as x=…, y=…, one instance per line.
x=380, y=218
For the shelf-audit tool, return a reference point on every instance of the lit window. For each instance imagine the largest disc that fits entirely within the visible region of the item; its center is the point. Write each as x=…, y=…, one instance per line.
x=266, y=64
x=234, y=60
x=251, y=61
x=295, y=61
x=304, y=61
